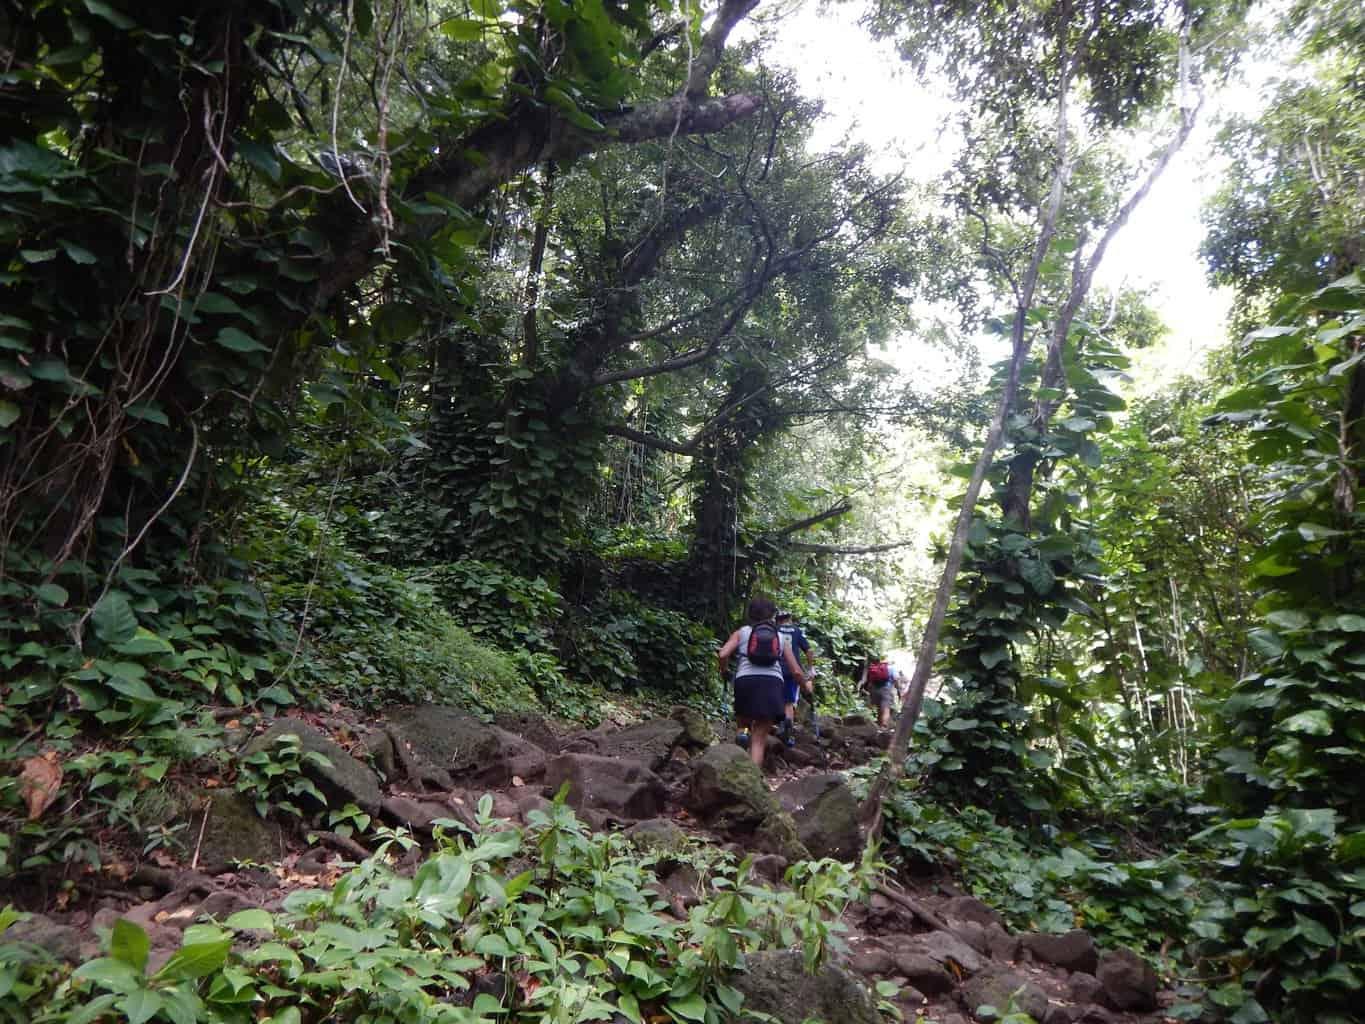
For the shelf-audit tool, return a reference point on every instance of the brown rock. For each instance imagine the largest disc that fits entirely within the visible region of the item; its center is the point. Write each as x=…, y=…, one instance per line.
x=925, y=973
x=945, y=948
x=968, y=908
x=1083, y=988
x=1001, y=944
x=1127, y=980
x=417, y=815
x=626, y=790
x=1075, y=950
x=999, y=986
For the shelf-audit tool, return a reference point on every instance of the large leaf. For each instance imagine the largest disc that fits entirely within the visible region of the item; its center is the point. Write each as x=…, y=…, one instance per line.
x=129, y=943
x=113, y=618
x=1314, y=723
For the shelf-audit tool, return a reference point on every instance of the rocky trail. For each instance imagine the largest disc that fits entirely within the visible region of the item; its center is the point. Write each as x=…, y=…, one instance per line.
x=665, y=782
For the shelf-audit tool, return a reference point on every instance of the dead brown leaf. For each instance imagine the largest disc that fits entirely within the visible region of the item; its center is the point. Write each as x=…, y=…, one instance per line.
x=39, y=782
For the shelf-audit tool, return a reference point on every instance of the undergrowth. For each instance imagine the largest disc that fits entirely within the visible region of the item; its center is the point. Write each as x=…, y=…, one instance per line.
x=548, y=923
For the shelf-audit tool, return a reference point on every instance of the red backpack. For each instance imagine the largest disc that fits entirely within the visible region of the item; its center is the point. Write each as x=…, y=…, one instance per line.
x=765, y=644
x=878, y=673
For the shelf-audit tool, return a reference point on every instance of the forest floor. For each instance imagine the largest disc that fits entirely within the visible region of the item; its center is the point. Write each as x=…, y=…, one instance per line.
x=671, y=784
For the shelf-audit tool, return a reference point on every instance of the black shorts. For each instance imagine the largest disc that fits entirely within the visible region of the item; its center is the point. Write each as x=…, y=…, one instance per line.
x=759, y=697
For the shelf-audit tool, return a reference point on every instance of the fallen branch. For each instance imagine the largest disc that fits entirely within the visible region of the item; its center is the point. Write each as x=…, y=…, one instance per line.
x=916, y=908
x=342, y=845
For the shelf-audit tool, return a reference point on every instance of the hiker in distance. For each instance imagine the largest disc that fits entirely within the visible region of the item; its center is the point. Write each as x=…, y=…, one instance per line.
x=880, y=679
x=796, y=642
x=758, y=678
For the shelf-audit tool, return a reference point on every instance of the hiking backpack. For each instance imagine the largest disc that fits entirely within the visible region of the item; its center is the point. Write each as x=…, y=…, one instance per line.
x=878, y=673
x=765, y=644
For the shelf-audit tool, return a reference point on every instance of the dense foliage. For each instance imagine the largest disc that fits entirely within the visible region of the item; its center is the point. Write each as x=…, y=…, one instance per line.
x=493, y=354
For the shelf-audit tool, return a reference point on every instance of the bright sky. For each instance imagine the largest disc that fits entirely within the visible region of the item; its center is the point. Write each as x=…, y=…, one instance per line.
x=871, y=97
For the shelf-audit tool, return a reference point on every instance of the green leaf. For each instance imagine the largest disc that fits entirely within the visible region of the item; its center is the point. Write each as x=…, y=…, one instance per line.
x=195, y=959
x=251, y=920
x=1316, y=531
x=129, y=943
x=78, y=253
x=113, y=618
x=238, y=341
x=1289, y=620
x=691, y=1007
x=148, y=411
x=1351, y=623
x=464, y=30
x=1314, y=723
x=115, y=18
x=145, y=642
x=9, y=412
x=53, y=370
x=51, y=593
x=140, y=1006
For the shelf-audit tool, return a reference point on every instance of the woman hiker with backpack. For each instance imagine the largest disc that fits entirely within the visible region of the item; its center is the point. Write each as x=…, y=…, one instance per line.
x=759, y=690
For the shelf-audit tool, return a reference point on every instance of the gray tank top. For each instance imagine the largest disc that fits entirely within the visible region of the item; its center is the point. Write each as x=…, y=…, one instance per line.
x=747, y=667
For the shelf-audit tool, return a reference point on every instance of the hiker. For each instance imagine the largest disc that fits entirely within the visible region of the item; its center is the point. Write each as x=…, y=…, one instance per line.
x=797, y=643
x=758, y=678
x=880, y=678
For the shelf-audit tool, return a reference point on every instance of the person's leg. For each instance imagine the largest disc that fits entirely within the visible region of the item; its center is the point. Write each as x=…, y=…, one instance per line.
x=758, y=741
x=884, y=713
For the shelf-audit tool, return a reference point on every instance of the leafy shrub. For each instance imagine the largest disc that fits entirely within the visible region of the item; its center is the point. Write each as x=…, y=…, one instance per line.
x=370, y=635
x=510, y=611
x=1047, y=887
x=1288, y=918
x=563, y=922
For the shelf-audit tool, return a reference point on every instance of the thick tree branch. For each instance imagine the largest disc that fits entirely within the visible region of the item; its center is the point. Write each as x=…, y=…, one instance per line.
x=520, y=137
x=842, y=507
x=840, y=549
x=707, y=59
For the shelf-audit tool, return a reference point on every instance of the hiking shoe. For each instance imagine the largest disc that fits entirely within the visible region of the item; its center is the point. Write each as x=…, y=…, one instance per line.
x=789, y=739
x=743, y=740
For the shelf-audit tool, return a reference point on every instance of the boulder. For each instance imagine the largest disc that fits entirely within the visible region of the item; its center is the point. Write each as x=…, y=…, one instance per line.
x=727, y=788
x=949, y=951
x=1074, y=950
x=61, y=941
x=776, y=983
x=1128, y=981
x=222, y=904
x=233, y=833
x=777, y=834
x=626, y=790
x=727, y=791
x=997, y=987
x=770, y=866
x=1001, y=944
x=826, y=815
x=968, y=908
x=653, y=743
x=925, y=973
x=529, y=726
x=343, y=780
x=417, y=815
x=871, y=959
x=1082, y=988
x=658, y=835
x=470, y=750
x=972, y=934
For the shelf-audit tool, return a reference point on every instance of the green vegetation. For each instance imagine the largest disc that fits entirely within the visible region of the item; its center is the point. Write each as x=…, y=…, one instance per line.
x=554, y=924
x=494, y=354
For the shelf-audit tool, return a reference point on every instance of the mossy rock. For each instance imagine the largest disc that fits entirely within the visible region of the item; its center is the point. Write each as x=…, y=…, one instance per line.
x=776, y=983
x=658, y=835
x=826, y=815
x=344, y=780
x=727, y=787
x=234, y=832
x=778, y=834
